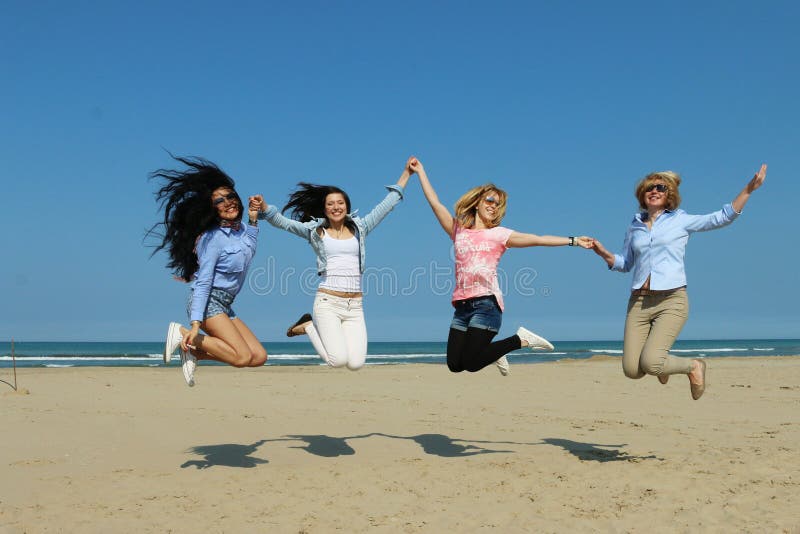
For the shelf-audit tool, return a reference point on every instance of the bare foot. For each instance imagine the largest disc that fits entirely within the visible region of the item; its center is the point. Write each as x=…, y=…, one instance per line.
x=524, y=343
x=696, y=375
x=300, y=329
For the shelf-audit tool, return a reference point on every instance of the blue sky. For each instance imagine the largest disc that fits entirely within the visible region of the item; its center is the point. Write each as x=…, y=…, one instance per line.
x=563, y=104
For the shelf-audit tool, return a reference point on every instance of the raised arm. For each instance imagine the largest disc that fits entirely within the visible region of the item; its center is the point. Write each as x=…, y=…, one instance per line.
x=442, y=213
x=742, y=198
x=520, y=240
x=379, y=212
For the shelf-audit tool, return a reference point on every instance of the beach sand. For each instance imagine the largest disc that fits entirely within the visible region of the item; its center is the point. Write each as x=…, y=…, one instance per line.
x=558, y=447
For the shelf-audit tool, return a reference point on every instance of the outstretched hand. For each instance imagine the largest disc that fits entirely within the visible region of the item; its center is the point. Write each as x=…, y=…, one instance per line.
x=598, y=247
x=601, y=251
x=758, y=179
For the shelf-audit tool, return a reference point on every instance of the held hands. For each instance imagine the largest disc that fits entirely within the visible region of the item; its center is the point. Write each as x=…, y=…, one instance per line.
x=255, y=204
x=758, y=179
x=414, y=165
x=585, y=242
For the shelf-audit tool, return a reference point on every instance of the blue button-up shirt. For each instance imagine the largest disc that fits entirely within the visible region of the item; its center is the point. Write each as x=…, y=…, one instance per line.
x=223, y=256
x=659, y=252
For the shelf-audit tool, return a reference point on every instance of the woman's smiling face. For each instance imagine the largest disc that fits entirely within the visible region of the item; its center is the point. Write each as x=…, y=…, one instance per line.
x=487, y=207
x=335, y=207
x=226, y=203
x=655, y=196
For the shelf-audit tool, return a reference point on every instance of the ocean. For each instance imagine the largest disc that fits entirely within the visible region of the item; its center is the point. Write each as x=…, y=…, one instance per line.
x=148, y=354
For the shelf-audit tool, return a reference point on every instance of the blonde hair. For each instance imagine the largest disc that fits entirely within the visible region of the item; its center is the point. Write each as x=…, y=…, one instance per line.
x=671, y=179
x=467, y=206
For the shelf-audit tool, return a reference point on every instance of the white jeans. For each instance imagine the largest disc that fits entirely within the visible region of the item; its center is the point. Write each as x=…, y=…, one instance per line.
x=339, y=333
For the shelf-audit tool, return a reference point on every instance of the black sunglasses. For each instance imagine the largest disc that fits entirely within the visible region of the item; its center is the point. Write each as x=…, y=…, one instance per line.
x=661, y=188
x=219, y=200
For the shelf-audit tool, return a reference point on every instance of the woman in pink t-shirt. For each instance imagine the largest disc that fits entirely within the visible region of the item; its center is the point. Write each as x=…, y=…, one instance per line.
x=479, y=242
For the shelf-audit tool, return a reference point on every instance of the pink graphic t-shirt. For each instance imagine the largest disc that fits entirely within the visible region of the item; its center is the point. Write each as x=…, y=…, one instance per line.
x=477, y=255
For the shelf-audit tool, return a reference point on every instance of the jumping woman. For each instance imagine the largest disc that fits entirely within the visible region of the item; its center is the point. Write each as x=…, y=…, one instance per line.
x=321, y=214
x=210, y=247
x=654, y=249
x=479, y=242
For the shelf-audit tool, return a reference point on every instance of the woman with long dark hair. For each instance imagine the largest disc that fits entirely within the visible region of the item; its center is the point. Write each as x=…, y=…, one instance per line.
x=479, y=242
x=211, y=248
x=322, y=215
x=654, y=249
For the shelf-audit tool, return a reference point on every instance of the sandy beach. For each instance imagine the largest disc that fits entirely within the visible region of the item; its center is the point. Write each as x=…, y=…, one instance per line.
x=560, y=447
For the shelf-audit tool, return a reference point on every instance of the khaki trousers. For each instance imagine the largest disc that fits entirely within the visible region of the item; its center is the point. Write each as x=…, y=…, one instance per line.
x=651, y=327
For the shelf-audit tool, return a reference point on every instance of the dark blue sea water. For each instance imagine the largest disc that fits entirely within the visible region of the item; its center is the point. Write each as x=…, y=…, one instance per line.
x=137, y=354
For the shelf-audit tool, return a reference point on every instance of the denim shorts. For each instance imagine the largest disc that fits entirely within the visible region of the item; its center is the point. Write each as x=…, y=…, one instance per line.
x=480, y=312
x=219, y=301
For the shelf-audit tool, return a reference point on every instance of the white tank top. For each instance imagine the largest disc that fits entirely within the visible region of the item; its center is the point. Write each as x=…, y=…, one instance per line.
x=342, y=272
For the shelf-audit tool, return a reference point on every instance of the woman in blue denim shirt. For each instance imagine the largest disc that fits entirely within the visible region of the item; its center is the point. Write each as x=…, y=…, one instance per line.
x=322, y=215
x=212, y=248
x=654, y=248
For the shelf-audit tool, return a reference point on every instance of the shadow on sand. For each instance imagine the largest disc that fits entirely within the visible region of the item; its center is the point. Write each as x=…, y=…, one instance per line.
x=228, y=454
x=233, y=455
x=593, y=452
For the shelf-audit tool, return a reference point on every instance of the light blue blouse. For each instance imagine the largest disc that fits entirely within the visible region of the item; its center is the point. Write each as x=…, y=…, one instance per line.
x=223, y=257
x=659, y=252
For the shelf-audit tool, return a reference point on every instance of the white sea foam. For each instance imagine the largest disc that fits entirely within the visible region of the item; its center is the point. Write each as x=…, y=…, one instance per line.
x=77, y=358
x=709, y=350
x=383, y=356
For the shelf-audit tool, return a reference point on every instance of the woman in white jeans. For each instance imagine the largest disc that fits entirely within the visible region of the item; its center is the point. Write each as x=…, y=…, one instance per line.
x=322, y=215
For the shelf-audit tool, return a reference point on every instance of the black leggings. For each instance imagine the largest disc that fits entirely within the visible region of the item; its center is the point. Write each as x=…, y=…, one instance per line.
x=473, y=350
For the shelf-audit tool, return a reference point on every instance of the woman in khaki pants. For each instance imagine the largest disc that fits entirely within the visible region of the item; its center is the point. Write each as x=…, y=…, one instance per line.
x=654, y=249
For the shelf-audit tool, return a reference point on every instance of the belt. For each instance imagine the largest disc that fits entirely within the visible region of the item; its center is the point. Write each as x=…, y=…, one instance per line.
x=341, y=294
x=647, y=292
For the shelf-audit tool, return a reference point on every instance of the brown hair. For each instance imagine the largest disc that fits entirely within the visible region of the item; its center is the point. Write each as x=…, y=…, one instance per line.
x=467, y=205
x=671, y=179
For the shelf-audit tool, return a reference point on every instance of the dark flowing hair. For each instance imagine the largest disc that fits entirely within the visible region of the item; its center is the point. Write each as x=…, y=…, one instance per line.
x=308, y=202
x=185, y=198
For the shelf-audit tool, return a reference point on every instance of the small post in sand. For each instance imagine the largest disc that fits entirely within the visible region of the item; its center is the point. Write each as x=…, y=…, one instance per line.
x=14, y=362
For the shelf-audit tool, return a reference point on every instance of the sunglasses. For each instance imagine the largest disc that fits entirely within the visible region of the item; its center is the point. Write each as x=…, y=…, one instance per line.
x=219, y=200
x=491, y=200
x=661, y=188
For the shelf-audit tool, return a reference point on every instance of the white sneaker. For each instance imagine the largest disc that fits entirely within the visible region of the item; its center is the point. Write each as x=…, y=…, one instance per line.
x=502, y=366
x=534, y=341
x=188, y=365
x=174, y=338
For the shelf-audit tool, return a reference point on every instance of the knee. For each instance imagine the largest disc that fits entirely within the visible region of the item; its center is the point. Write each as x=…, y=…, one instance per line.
x=354, y=364
x=652, y=362
x=241, y=359
x=336, y=361
x=632, y=372
x=454, y=368
x=258, y=358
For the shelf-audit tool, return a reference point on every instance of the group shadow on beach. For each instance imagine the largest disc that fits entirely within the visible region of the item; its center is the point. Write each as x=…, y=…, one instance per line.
x=235, y=455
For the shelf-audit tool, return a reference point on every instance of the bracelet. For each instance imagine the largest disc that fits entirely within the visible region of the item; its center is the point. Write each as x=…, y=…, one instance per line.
x=195, y=321
x=252, y=222
x=571, y=241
